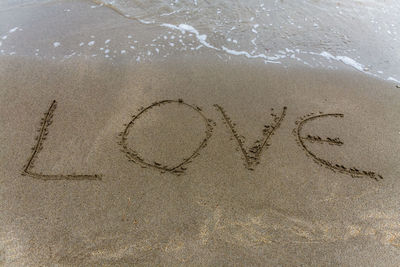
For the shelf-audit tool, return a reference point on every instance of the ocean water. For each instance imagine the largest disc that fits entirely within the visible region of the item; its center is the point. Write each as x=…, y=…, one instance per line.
x=361, y=35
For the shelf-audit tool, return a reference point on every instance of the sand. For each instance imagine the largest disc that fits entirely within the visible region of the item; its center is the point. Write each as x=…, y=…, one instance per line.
x=189, y=158
x=139, y=164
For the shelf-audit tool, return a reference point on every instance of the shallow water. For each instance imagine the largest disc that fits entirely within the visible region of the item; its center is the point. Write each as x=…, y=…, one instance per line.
x=363, y=35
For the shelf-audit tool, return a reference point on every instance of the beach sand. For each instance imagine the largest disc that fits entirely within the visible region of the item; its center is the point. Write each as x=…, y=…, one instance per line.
x=122, y=176
x=195, y=154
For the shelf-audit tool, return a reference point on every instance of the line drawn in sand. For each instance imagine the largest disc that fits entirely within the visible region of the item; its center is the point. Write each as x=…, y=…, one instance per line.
x=43, y=132
x=252, y=155
x=178, y=169
x=353, y=172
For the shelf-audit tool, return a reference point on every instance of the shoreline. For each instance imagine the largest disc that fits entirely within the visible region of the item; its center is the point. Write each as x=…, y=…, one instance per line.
x=147, y=40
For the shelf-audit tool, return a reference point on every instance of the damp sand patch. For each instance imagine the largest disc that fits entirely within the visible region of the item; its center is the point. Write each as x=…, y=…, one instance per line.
x=191, y=159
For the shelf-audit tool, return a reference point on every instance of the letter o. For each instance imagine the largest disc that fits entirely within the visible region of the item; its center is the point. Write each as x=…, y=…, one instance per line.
x=179, y=168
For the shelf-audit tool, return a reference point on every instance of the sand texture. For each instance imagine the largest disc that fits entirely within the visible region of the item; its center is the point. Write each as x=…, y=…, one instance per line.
x=191, y=161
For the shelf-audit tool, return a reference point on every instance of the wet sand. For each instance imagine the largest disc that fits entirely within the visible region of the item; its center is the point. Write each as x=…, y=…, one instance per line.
x=194, y=161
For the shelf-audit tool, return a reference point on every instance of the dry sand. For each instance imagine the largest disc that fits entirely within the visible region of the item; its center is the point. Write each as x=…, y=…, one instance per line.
x=172, y=185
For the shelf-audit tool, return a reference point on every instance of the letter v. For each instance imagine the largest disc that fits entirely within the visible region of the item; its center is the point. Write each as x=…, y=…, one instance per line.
x=252, y=155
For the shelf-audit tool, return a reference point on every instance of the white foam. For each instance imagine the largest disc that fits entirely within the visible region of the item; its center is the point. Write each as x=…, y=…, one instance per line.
x=91, y=43
x=253, y=41
x=247, y=54
x=173, y=12
x=351, y=62
x=187, y=28
x=393, y=79
x=346, y=60
x=13, y=29
x=107, y=41
x=56, y=44
x=202, y=39
x=255, y=26
x=146, y=21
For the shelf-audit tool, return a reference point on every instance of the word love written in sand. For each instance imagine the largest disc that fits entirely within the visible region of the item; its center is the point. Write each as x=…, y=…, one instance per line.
x=251, y=154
